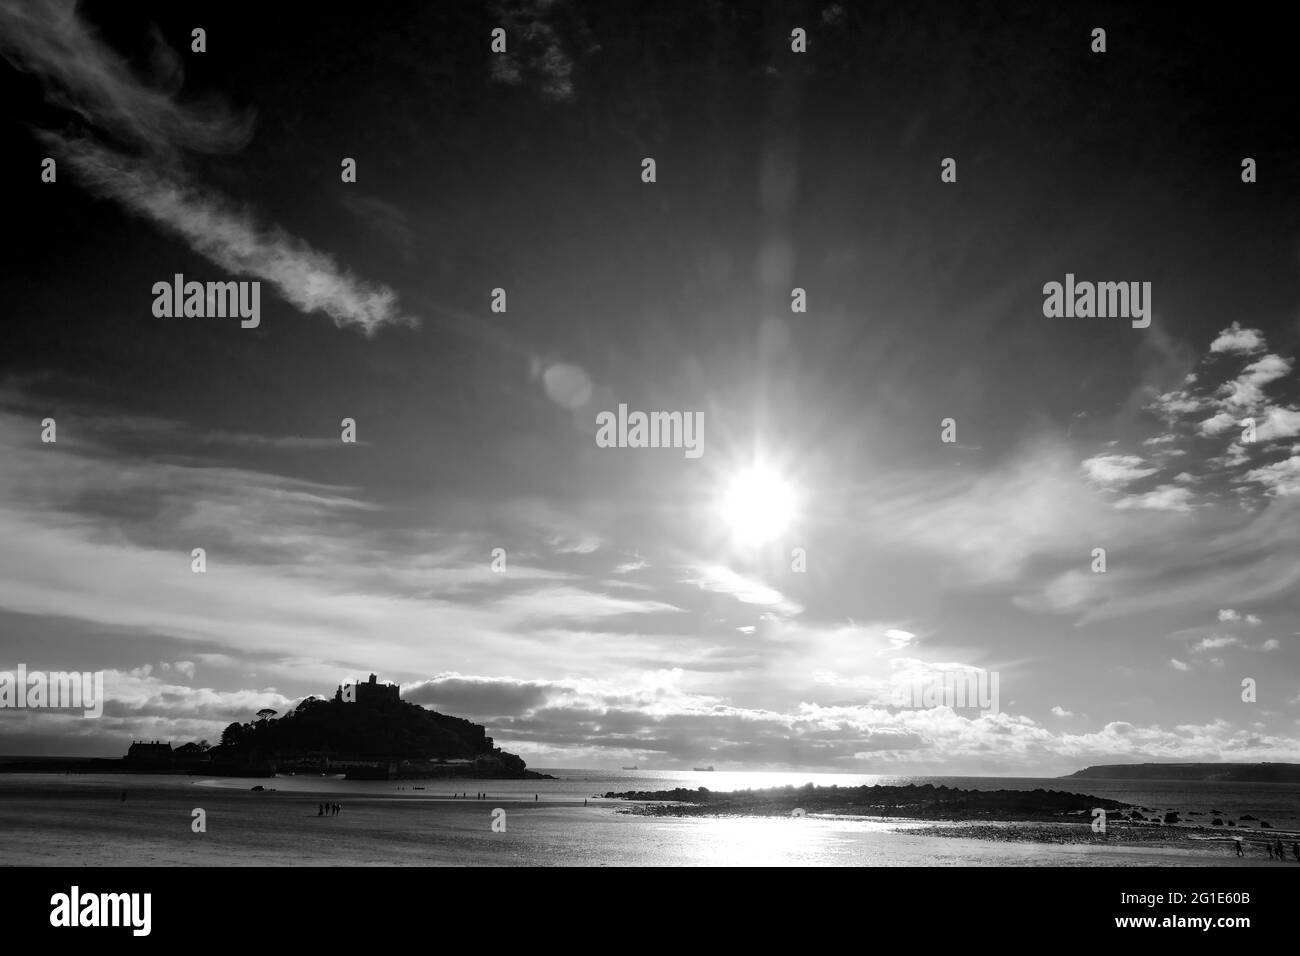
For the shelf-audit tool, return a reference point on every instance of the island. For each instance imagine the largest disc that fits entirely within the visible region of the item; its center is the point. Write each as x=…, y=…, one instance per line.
x=365, y=732
x=913, y=801
x=1230, y=772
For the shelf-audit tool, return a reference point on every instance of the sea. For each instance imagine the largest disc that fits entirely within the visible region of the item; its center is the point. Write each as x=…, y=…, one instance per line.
x=1277, y=803
x=96, y=819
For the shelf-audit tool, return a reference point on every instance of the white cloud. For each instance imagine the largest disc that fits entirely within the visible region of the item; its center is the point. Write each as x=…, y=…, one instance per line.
x=1163, y=498
x=1281, y=478
x=1218, y=424
x=1275, y=422
x=1113, y=470
x=306, y=278
x=898, y=637
x=144, y=173
x=1247, y=390
x=1178, y=665
x=1059, y=711
x=1215, y=642
x=1236, y=340
x=723, y=580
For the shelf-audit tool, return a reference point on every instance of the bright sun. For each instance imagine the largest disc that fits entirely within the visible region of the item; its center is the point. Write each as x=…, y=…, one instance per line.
x=758, y=506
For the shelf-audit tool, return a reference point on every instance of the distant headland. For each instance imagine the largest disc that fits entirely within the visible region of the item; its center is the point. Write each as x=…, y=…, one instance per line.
x=1229, y=772
x=366, y=732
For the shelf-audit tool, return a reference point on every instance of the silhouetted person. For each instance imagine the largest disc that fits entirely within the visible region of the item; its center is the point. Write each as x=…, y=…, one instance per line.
x=1295, y=851
x=124, y=796
x=1279, y=849
x=320, y=809
x=1239, y=850
x=534, y=798
x=338, y=808
x=1269, y=847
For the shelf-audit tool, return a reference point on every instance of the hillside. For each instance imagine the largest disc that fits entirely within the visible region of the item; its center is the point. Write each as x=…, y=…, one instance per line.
x=1236, y=772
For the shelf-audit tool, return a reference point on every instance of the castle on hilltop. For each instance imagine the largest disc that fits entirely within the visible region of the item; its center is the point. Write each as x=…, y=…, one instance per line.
x=369, y=692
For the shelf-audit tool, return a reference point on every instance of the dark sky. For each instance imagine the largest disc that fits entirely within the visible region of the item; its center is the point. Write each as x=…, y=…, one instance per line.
x=637, y=619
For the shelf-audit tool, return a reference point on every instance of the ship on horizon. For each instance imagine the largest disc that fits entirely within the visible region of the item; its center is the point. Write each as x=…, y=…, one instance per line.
x=704, y=769
x=633, y=767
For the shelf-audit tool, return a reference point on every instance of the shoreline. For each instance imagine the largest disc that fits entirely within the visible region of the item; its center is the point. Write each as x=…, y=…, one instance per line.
x=85, y=824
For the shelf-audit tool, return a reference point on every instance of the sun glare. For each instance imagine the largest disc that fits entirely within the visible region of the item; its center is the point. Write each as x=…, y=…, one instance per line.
x=758, y=506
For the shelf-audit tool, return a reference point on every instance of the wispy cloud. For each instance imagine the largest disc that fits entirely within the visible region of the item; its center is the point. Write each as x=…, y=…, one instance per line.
x=84, y=75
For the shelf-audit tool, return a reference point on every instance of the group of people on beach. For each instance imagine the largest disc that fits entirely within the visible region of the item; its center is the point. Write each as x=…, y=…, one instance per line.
x=1276, y=851
x=329, y=809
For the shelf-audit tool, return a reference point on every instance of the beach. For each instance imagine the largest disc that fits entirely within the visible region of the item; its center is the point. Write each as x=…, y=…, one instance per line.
x=83, y=821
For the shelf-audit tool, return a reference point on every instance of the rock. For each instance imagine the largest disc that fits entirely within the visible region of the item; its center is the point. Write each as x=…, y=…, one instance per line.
x=1172, y=817
x=1248, y=817
x=1217, y=822
x=1265, y=825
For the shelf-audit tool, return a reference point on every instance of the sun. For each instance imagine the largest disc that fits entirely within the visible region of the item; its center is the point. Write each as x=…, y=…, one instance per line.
x=758, y=506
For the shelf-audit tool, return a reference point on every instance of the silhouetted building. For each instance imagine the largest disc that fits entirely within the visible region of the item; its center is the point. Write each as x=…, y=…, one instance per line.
x=149, y=756
x=369, y=692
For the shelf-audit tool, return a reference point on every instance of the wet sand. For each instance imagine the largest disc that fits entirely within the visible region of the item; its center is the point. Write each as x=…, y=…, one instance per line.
x=63, y=823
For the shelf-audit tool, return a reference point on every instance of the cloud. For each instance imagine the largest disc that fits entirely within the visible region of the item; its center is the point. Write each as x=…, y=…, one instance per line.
x=1281, y=478
x=82, y=74
x=1178, y=665
x=1163, y=498
x=184, y=668
x=1113, y=470
x=1214, y=643
x=1236, y=340
x=306, y=278
x=899, y=638
x=723, y=580
x=1228, y=614
x=534, y=51
x=1059, y=711
x=1247, y=390
x=1275, y=422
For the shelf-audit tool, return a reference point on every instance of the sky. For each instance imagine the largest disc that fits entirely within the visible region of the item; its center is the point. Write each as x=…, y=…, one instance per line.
x=633, y=614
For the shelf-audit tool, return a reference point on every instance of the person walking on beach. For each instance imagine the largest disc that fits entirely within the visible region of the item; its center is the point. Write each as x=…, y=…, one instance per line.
x=1279, y=850
x=1268, y=846
x=320, y=809
x=1239, y=850
x=124, y=796
x=1295, y=851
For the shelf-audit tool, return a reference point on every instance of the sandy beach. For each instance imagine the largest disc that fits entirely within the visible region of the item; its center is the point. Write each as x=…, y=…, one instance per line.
x=63, y=821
